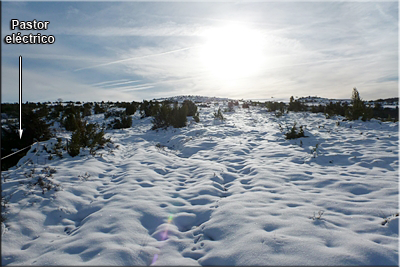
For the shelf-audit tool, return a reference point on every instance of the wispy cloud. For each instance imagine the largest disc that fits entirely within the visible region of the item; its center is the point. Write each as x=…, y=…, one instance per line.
x=133, y=58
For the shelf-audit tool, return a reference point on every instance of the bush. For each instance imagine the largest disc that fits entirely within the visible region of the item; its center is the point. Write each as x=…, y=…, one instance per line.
x=87, y=109
x=86, y=135
x=196, y=117
x=98, y=109
x=245, y=105
x=70, y=122
x=55, y=114
x=192, y=108
x=274, y=106
x=149, y=108
x=335, y=109
x=296, y=105
x=167, y=116
x=114, y=113
x=231, y=106
x=218, y=115
x=34, y=129
x=70, y=109
x=358, y=109
x=74, y=147
x=43, y=111
x=162, y=118
x=131, y=109
x=317, y=109
x=179, y=116
x=293, y=134
x=119, y=123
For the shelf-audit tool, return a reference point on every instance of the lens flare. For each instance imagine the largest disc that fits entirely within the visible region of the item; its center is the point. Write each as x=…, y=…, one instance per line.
x=164, y=236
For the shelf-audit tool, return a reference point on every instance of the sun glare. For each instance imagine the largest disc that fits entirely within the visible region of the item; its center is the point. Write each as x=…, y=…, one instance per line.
x=232, y=52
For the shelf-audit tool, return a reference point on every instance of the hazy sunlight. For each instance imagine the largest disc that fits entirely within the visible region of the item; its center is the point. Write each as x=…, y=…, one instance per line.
x=233, y=51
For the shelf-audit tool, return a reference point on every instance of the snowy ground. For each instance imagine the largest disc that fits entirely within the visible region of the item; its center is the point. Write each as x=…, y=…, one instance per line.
x=214, y=193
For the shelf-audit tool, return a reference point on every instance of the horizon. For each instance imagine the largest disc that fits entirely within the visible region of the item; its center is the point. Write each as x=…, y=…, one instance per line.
x=219, y=98
x=131, y=51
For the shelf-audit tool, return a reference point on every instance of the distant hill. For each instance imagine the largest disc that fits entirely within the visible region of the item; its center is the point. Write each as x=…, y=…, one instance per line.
x=321, y=100
x=389, y=101
x=194, y=98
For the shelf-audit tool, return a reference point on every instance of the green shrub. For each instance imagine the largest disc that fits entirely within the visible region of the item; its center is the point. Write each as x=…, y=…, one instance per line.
x=167, y=116
x=43, y=111
x=55, y=114
x=296, y=105
x=335, y=109
x=86, y=135
x=34, y=129
x=70, y=109
x=293, y=133
x=358, y=109
x=318, y=109
x=162, y=118
x=149, y=108
x=179, y=116
x=192, y=108
x=130, y=109
x=98, y=109
x=218, y=115
x=114, y=113
x=231, y=105
x=87, y=109
x=119, y=123
x=74, y=147
x=196, y=117
x=274, y=106
x=71, y=122
x=245, y=105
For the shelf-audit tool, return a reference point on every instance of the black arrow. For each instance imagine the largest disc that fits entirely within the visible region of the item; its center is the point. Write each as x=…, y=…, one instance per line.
x=20, y=97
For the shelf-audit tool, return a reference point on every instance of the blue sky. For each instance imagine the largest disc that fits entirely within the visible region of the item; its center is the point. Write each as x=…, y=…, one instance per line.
x=130, y=51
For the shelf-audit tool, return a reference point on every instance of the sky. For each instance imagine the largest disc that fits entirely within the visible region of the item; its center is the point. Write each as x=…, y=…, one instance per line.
x=130, y=51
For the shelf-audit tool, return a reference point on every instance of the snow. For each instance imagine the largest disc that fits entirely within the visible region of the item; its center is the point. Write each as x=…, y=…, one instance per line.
x=232, y=192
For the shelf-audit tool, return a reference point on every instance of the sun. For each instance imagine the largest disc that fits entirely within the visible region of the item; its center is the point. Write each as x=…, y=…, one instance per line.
x=233, y=51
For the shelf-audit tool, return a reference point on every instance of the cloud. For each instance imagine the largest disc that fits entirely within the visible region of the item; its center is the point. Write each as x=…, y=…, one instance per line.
x=137, y=57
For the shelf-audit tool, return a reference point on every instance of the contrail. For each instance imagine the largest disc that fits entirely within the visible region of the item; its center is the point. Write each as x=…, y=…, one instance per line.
x=133, y=58
x=114, y=84
x=107, y=82
x=138, y=88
